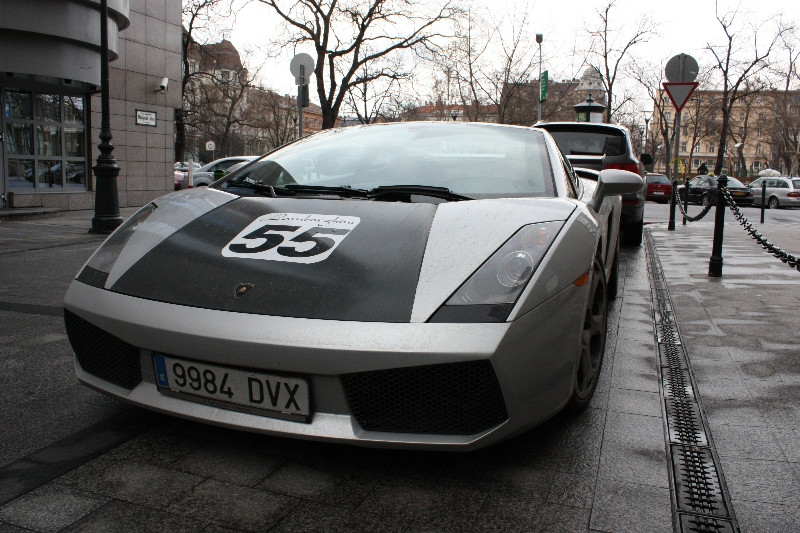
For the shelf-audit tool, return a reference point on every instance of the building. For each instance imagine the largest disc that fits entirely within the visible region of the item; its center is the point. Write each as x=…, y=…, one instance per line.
x=49, y=89
x=439, y=111
x=763, y=133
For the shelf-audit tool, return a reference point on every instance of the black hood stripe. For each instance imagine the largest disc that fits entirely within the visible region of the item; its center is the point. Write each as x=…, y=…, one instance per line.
x=371, y=258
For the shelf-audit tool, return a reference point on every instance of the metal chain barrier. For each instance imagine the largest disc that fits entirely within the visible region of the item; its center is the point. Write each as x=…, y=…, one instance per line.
x=789, y=259
x=703, y=213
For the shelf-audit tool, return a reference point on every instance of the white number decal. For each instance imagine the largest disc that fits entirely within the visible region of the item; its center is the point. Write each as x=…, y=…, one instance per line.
x=291, y=237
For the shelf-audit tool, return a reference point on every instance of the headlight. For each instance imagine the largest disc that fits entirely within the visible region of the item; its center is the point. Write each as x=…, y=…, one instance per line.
x=490, y=293
x=96, y=270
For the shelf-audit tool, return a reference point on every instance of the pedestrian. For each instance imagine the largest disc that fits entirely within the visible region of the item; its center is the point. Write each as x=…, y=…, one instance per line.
x=702, y=169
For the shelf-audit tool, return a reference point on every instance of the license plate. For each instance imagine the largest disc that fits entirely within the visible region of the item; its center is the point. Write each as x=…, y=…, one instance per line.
x=658, y=193
x=738, y=193
x=252, y=390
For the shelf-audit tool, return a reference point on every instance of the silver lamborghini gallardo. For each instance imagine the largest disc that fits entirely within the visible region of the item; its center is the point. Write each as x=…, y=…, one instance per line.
x=428, y=285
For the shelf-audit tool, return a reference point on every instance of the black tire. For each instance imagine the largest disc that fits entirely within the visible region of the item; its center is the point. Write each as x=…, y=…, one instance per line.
x=593, y=343
x=632, y=234
x=612, y=286
x=773, y=203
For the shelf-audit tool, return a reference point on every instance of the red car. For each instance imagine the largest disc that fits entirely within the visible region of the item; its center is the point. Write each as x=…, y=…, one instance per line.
x=659, y=188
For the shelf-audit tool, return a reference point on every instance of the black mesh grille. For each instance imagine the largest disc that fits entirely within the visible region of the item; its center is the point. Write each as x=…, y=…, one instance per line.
x=449, y=399
x=102, y=354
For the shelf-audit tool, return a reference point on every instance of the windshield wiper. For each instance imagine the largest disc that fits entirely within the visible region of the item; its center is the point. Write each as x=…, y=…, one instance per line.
x=406, y=191
x=345, y=191
x=261, y=188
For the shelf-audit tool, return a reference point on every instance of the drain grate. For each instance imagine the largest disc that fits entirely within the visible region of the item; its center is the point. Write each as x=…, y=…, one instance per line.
x=696, y=481
x=705, y=524
x=700, y=501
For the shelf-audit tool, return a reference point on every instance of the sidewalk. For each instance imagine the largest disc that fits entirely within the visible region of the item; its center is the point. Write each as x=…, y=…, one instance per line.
x=743, y=343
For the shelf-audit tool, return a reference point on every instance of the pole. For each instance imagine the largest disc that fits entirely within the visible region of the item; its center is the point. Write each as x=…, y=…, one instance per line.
x=763, y=198
x=300, y=102
x=106, y=201
x=671, y=225
x=715, y=262
x=539, y=39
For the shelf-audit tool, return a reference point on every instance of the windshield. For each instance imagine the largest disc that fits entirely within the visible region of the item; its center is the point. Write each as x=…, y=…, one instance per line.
x=657, y=178
x=475, y=160
x=604, y=142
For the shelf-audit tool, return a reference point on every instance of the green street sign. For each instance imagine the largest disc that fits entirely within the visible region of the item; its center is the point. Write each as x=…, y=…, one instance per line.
x=543, y=87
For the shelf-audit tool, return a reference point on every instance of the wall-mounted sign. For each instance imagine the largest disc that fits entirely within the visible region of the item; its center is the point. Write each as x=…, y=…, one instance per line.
x=145, y=118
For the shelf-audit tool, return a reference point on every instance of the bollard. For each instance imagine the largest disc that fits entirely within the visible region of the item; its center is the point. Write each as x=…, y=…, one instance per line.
x=763, y=199
x=686, y=200
x=715, y=262
x=672, y=200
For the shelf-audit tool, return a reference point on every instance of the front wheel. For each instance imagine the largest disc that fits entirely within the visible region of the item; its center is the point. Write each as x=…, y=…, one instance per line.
x=593, y=343
x=773, y=203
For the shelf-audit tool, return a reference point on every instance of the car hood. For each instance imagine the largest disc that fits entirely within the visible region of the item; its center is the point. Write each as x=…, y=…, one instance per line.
x=325, y=258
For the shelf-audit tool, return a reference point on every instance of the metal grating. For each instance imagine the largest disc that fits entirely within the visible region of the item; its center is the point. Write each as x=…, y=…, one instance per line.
x=696, y=481
x=705, y=524
x=700, y=499
x=448, y=399
x=102, y=354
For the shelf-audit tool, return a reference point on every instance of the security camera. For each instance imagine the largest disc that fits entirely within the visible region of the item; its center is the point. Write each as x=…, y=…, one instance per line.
x=162, y=87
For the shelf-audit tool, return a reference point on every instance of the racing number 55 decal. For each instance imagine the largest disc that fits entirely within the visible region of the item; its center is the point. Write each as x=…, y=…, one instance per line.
x=291, y=237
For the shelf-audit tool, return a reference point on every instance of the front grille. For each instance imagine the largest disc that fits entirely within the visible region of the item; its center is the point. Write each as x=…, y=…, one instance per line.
x=448, y=399
x=102, y=354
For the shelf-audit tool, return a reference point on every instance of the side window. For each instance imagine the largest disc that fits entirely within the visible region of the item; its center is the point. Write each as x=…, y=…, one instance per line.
x=782, y=184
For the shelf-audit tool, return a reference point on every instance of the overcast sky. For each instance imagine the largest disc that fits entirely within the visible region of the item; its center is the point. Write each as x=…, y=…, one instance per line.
x=684, y=26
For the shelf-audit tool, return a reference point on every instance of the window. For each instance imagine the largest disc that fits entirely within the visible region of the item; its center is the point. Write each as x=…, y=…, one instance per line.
x=668, y=116
x=45, y=137
x=758, y=149
x=684, y=146
x=225, y=75
x=696, y=148
x=711, y=148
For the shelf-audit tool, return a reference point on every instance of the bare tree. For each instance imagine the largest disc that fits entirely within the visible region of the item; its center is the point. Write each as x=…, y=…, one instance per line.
x=202, y=20
x=786, y=130
x=370, y=101
x=661, y=137
x=269, y=119
x=739, y=70
x=611, y=52
x=346, y=37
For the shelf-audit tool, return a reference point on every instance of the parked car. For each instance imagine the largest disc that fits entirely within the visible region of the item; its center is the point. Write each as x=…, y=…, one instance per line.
x=703, y=190
x=181, y=171
x=781, y=192
x=659, y=188
x=421, y=285
x=605, y=146
x=211, y=172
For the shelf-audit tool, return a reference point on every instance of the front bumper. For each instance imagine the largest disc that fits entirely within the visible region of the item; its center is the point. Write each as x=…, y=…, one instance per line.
x=532, y=360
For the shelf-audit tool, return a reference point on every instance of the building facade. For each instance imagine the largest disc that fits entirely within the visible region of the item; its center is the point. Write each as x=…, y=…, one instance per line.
x=763, y=133
x=49, y=92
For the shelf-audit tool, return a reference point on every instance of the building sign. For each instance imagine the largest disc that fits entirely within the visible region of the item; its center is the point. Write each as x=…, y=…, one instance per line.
x=145, y=118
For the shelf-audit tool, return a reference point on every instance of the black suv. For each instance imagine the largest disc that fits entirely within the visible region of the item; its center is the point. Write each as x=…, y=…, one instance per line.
x=602, y=146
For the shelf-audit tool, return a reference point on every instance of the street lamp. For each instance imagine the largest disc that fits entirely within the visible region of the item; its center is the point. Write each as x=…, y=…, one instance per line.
x=106, y=200
x=539, y=39
x=646, y=136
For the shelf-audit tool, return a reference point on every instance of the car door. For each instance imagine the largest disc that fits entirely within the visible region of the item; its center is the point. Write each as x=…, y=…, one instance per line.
x=757, y=191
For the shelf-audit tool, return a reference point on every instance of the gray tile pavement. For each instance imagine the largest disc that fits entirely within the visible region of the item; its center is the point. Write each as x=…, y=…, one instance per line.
x=605, y=470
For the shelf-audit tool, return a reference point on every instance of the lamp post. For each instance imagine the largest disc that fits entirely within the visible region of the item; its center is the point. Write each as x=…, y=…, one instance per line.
x=646, y=136
x=106, y=201
x=539, y=39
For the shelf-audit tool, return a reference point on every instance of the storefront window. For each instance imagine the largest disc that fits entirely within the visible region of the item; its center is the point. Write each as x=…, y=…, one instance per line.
x=45, y=138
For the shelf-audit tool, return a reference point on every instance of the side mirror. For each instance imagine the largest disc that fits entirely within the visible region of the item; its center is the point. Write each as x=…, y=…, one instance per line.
x=612, y=182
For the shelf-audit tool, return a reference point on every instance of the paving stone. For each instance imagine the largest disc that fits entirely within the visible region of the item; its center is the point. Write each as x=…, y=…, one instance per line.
x=228, y=464
x=634, y=450
x=762, y=481
x=572, y=490
x=124, y=517
x=311, y=516
x=630, y=508
x=334, y=485
x=766, y=517
x=635, y=402
x=134, y=482
x=233, y=506
x=50, y=508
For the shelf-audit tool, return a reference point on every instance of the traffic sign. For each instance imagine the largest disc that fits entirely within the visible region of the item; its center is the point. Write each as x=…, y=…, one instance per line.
x=210, y=146
x=307, y=63
x=679, y=93
x=682, y=68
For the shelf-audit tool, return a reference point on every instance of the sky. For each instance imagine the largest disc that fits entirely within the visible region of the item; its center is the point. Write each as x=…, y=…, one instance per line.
x=683, y=26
